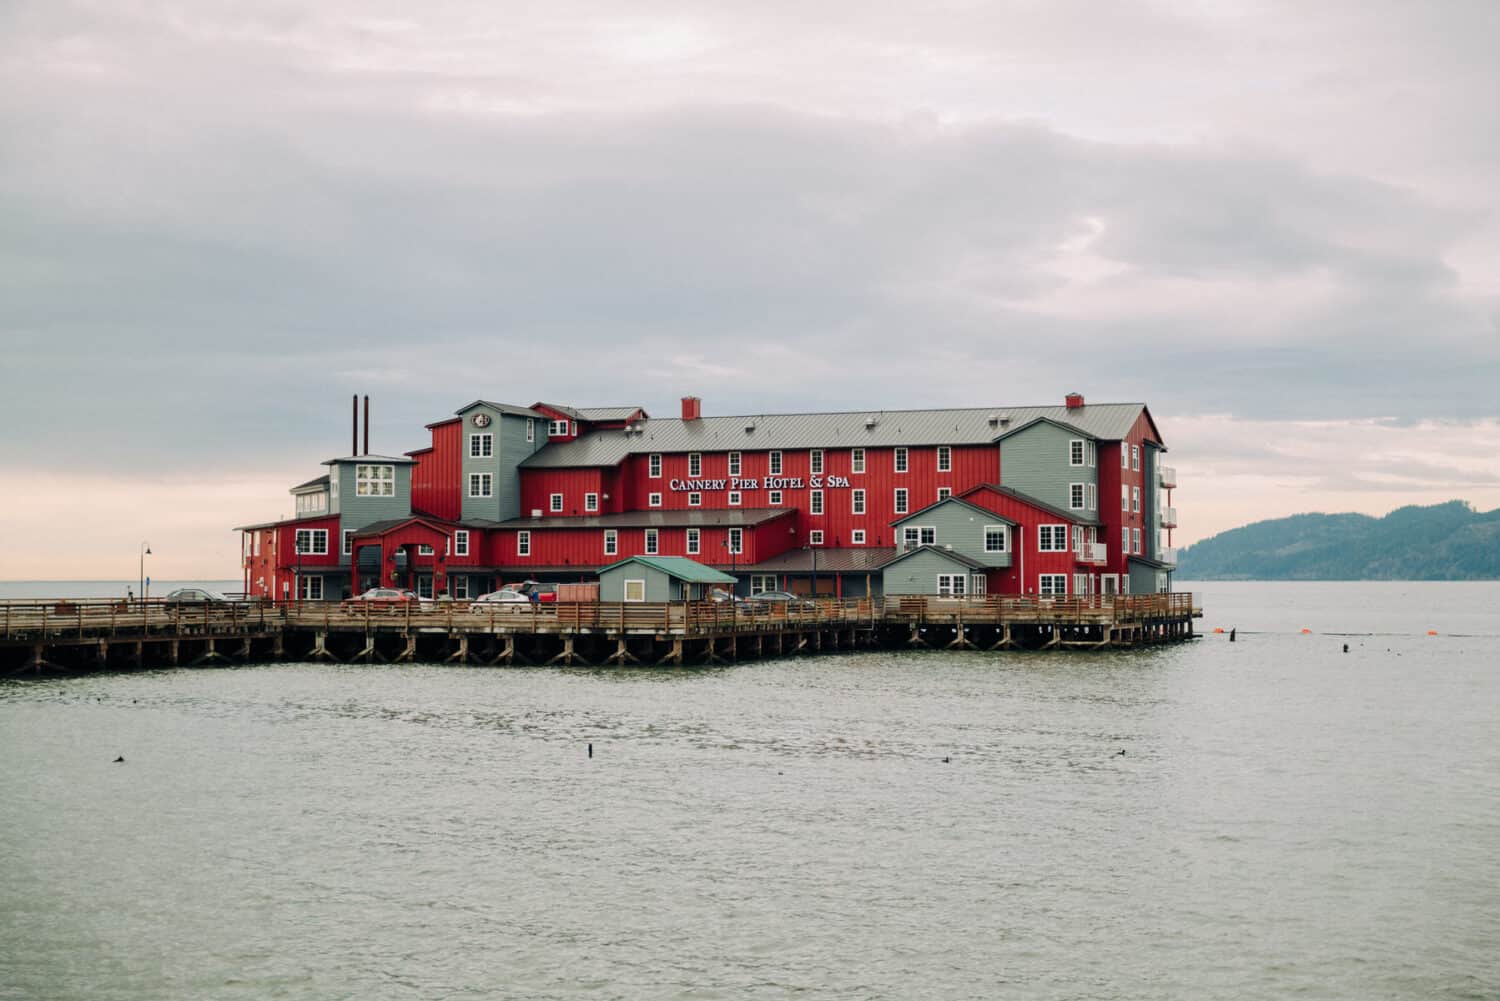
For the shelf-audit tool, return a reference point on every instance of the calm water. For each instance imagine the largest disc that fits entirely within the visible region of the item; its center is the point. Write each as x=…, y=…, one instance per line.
x=1287, y=821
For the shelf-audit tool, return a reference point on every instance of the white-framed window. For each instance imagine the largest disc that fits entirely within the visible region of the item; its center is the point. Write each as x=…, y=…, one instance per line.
x=1075, y=496
x=653, y=541
x=1075, y=452
x=1124, y=456
x=815, y=537
x=695, y=464
x=531, y=429
x=910, y=536
x=255, y=542
x=557, y=429
x=734, y=498
x=1124, y=497
x=734, y=463
x=994, y=538
x=1135, y=499
x=900, y=507
x=374, y=481
x=775, y=498
x=952, y=585
x=857, y=501
x=856, y=460
x=1093, y=453
x=760, y=583
x=311, y=541
x=574, y=426
x=591, y=502
x=1135, y=458
x=1052, y=538
x=554, y=502
x=944, y=493
x=977, y=585
x=310, y=588
x=461, y=542
x=1124, y=583
x=314, y=503
x=523, y=543
x=653, y=500
x=1091, y=500
x=857, y=537
x=424, y=549
x=899, y=459
x=1052, y=584
x=774, y=459
x=653, y=465
x=695, y=499
x=1081, y=584
x=611, y=542
x=459, y=587
x=815, y=462
x=737, y=541
x=1135, y=539
x=694, y=540
x=927, y=535
x=815, y=502
x=481, y=484
x=481, y=446
x=1125, y=539
x=945, y=458
x=1078, y=539
x=348, y=542
x=635, y=590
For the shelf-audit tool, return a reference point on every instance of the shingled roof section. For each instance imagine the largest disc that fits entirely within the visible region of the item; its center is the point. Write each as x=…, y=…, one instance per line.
x=848, y=429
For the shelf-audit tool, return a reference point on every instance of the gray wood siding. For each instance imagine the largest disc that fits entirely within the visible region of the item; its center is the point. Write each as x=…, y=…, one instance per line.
x=961, y=527
x=510, y=448
x=356, y=512
x=1143, y=579
x=1035, y=461
x=918, y=574
x=659, y=585
x=1151, y=500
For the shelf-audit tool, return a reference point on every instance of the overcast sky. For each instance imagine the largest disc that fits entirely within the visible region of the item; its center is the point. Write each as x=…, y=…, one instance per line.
x=1275, y=223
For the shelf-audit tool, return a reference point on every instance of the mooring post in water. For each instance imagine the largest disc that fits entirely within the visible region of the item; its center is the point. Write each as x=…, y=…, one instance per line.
x=1231, y=635
x=591, y=749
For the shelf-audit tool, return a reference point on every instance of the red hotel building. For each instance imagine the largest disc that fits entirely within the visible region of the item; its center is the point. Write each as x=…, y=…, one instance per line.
x=1008, y=500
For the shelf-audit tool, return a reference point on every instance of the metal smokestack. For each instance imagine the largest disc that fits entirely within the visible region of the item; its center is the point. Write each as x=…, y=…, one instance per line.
x=354, y=425
x=367, y=424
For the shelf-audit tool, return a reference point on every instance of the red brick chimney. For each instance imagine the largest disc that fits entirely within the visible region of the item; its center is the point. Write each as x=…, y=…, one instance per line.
x=1073, y=400
x=692, y=408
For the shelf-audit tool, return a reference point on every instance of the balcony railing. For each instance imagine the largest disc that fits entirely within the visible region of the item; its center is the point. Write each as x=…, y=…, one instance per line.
x=1093, y=552
x=1169, y=517
x=1167, y=477
x=1169, y=555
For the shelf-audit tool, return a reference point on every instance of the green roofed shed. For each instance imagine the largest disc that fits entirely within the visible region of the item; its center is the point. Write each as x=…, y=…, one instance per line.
x=658, y=578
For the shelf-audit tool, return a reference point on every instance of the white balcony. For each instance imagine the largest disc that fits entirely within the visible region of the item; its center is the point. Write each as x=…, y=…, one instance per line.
x=1167, y=477
x=1169, y=517
x=1093, y=552
x=1168, y=555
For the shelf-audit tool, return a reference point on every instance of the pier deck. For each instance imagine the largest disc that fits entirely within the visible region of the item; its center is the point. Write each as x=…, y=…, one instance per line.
x=83, y=635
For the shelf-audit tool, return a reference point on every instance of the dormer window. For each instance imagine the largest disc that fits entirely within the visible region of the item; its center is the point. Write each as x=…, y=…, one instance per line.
x=375, y=481
x=557, y=429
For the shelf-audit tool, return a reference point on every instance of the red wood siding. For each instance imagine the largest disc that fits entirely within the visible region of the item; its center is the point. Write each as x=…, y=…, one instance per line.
x=1027, y=560
x=561, y=547
x=437, y=478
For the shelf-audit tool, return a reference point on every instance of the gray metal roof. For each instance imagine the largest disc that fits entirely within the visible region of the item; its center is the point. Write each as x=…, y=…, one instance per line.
x=856, y=559
x=396, y=460
x=848, y=429
x=319, y=481
x=950, y=554
x=1077, y=517
x=325, y=516
x=503, y=408
x=991, y=515
x=739, y=517
x=594, y=413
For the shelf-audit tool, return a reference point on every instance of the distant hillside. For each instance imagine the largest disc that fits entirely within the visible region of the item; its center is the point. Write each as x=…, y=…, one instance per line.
x=1448, y=541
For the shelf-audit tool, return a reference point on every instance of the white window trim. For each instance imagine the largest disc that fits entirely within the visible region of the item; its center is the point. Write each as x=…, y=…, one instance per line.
x=900, y=501
x=695, y=499
x=481, y=485
x=815, y=537
x=348, y=542
x=773, y=463
x=945, y=458
x=926, y=535
x=735, y=463
x=1124, y=455
x=425, y=549
x=317, y=541
x=857, y=537
x=1043, y=591
x=815, y=462
x=611, y=542
x=735, y=498
x=1135, y=458
x=459, y=587
x=652, y=542
x=857, y=501
x=775, y=498
x=856, y=460
x=694, y=541
x=306, y=584
x=555, y=503
x=377, y=480
x=653, y=466
x=900, y=460
x=1079, y=446
x=944, y=493
x=591, y=502
x=531, y=429
x=815, y=503
x=653, y=500
x=482, y=445
x=695, y=465
x=523, y=543
x=1091, y=497
x=736, y=540
x=762, y=582
x=1047, y=533
x=946, y=585
x=461, y=542
x=984, y=539
x=1135, y=500
x=637, y=585
x=1077, y=503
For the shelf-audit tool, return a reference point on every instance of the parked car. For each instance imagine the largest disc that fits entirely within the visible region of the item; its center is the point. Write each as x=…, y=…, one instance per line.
x=787, y=600
x=742, y=605
x=385, y=596
x=194, y=596
x=534, y=590
x=503, y=600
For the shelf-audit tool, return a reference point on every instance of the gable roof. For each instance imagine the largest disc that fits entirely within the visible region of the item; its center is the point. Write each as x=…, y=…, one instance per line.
x=847, y=429
x=948, y=554
x=504, y=408
x=1077, y=517
x=955, y=500
x=395, y=460
x=679, y=567
x=1064, y=425
x=389, y=525
x=317, y=481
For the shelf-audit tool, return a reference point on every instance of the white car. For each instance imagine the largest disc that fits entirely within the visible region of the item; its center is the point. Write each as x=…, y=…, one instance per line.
x=499, y=601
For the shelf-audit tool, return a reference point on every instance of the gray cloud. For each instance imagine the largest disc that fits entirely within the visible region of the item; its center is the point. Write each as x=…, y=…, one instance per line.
x=217, y=225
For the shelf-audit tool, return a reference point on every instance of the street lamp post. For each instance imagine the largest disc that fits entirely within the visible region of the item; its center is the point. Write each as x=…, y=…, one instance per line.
x=733, y=554
x=145, y=551
x=812, y=549
x=298, y=545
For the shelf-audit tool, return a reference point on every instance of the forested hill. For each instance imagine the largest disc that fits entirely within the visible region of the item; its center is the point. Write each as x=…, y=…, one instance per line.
x=1448, y=541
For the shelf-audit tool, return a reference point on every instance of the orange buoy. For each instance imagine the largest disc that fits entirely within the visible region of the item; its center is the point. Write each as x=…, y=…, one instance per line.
x=1306, y=631
x=1218, y=629
x=1432, y=632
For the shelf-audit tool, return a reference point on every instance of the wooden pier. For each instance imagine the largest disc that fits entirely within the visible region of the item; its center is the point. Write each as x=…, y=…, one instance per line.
x=77, y=636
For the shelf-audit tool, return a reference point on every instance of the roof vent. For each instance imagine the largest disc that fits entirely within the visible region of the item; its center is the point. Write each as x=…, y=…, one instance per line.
x=871, y=421
x=749, y=426
x=536, y=512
